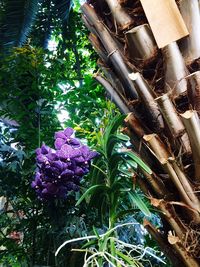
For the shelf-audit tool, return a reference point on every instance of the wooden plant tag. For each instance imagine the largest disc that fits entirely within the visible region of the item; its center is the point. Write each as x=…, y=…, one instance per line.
x=165, y=21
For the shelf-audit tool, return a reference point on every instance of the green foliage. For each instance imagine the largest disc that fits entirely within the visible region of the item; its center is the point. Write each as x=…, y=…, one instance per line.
x=15, y=21
x=36, y=87
x=52, y=18
x=111, y=192
x=110, y=176
x=32, y=96
x=29, y=93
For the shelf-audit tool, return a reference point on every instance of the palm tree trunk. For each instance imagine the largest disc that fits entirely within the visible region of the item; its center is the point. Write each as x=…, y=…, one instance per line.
x=161, y=85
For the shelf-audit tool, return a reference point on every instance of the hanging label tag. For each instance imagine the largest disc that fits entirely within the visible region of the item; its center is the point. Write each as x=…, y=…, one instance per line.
x=165, y=21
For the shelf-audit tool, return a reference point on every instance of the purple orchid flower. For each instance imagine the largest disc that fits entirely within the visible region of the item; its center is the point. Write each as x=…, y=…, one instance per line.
x=86, y=155
x=60, y=171
x=45, y=154
x=68, y=153
x=37, y=183
x=65, y=137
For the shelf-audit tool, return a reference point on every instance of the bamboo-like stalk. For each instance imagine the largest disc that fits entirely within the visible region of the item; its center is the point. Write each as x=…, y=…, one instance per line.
x=123, y=72
x=170, y=115
x=187, y=258
x=152, y=185
x=184, y=187
x=174, y=122
x=175, y=70
x=88, y=25
x=133, y=122
x=113, y=80
x=147, y=96
x=141, y=44
x=176, y=174
x=192, y=124
x=138, y=148
x=194, y=90
x=190, y=46
x=111, y=47
x=165, y=20
x=156, y=184
x=171, y=216
x=121, y=17
x=113, y=94
x=187, y=186
x=157, y=147
x=163, y=244
x=98, y=47
x=117, y=68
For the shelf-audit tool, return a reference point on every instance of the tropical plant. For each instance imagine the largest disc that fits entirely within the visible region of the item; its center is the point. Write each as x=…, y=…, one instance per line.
x=161, y=89
x=36, y=86
x=27, y=222
x=17, y=19
x=111, y=192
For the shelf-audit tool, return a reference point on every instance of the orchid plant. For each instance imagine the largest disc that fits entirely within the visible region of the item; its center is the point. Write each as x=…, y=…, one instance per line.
x=60, y=170
x=111, y=185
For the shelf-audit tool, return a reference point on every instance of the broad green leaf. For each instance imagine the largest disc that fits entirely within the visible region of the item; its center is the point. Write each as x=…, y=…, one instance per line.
x=132, y=164
x=91, y=190
x=114, y=124
x=139, y=203
x=95, y=231
x=130, y=261
x=140, y=162
x=122, y=137
x=113, y=140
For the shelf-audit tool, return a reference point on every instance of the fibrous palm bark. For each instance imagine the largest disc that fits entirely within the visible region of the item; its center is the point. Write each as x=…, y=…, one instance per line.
x=161, y=88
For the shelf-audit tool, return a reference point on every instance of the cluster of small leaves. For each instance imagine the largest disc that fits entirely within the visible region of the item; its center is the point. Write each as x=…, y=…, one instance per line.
x=31, y=98
x=60, y=170
x=83, y=98
x=28, y=79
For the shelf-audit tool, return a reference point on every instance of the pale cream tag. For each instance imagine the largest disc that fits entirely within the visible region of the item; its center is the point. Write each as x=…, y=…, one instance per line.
x=165, y=21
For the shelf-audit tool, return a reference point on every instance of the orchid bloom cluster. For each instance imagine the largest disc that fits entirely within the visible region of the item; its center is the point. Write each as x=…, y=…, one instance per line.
x=60, y=170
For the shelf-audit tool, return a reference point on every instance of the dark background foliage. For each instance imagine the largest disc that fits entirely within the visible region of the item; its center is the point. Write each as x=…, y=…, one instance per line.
x=44, y=90
x=36, y=86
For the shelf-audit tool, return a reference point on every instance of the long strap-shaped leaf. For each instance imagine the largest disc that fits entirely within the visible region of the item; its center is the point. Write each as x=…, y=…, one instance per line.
x=111, y=129
x=91, y=190
x=139, y=203
x=140, y=162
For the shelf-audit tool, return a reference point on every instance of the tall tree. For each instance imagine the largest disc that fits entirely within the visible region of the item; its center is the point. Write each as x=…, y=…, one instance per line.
x=160, y=88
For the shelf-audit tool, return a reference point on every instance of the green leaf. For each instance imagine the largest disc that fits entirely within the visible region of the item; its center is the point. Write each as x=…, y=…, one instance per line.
x=126, y=173
x=140, y=162
x=92, y=190
x=17, y=20
x=129, y=260
x=139, y=203
x=113, y=126
x=122, y=137
x=115, y=159
x=132, y=164
x=95, y=231
x=115, y=139
x=89, y=244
